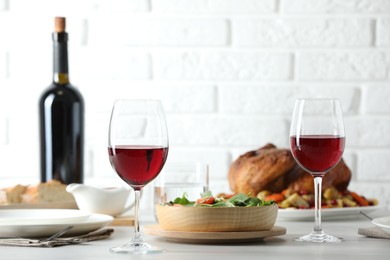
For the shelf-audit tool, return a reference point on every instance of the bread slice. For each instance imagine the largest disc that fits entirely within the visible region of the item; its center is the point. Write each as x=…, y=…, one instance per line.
x=51, y=191
x=12, y=194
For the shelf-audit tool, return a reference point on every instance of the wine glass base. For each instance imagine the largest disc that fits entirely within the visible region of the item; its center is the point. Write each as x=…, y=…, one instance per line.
x=136, y=248
x=319, y=238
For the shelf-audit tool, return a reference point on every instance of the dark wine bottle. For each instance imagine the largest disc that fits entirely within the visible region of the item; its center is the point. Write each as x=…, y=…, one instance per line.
x=61, y=116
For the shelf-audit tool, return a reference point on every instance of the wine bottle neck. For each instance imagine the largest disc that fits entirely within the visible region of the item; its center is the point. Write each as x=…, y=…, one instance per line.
x=60, y=58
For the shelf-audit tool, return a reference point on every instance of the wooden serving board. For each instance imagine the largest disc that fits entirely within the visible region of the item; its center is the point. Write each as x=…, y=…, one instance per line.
x=123, y=221
x=213, y=237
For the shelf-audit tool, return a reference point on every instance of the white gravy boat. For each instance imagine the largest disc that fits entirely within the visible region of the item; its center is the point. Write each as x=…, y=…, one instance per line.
x=109, y=201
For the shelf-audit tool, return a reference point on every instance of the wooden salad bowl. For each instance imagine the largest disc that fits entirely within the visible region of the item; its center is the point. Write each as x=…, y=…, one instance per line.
x=208, y=219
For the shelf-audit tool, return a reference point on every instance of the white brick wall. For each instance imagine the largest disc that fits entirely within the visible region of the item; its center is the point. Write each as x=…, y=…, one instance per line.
x=214, y=6
x=376, y=99
x=383, y=29
x=222, y=65
x=302, y=32
x=343, y=65
x=227, y=71
x=339, y=7
x=158, y=32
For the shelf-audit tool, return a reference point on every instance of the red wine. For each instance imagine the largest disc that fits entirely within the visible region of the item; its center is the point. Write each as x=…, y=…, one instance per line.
x=61, y=116
x=137, y=165
x=317, y=153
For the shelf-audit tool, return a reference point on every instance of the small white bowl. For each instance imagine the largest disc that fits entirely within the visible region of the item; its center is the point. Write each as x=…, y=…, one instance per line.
x=110, y=201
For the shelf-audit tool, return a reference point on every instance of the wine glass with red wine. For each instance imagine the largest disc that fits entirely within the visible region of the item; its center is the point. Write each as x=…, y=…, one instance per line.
x=317, y=140
x=138, y=149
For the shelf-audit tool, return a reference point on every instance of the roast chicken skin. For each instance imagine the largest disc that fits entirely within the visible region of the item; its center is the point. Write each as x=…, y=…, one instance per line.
x=274, y=169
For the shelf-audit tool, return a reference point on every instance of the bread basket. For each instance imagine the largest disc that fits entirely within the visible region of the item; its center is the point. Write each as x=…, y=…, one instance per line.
x=209, y=219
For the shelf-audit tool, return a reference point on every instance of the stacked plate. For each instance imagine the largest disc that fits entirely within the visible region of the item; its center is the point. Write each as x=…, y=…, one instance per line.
x=383, y=223
x=45, y=222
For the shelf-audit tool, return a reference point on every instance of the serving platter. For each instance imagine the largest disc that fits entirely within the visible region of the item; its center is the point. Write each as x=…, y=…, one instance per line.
x=326, y=213
x=213, y=237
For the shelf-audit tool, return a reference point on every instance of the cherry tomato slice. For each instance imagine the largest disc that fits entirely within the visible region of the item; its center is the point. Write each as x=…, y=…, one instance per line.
x=208, y=200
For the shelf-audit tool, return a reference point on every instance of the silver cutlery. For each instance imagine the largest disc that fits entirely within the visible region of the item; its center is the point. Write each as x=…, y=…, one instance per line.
x=51, y=238
x=365, y=215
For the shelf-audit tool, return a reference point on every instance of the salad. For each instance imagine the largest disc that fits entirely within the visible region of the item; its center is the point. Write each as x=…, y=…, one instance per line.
x=208, y=200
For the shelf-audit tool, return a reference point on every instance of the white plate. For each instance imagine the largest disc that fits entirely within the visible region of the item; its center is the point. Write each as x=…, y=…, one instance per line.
x=383, y=223
x=92, y=223
x=41, y=216
x=329, y=213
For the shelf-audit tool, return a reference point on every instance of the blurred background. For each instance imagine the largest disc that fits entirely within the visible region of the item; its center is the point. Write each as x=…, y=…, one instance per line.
x=227, y=72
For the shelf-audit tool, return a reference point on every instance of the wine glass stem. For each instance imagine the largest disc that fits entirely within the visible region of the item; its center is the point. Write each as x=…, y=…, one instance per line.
x=137, y=233
x=317, y=203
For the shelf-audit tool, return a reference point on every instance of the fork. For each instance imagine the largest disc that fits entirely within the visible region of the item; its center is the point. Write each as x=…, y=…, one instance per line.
x=364, y=214
x=58, y=234
x=51, y=238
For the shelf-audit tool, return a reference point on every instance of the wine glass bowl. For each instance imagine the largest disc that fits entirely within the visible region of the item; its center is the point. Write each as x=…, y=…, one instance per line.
x=137, y=149
x=317, y=154
x=317, y=140
x=137, y=165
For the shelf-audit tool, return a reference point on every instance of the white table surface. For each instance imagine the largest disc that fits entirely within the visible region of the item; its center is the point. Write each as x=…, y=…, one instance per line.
x=354, y=247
